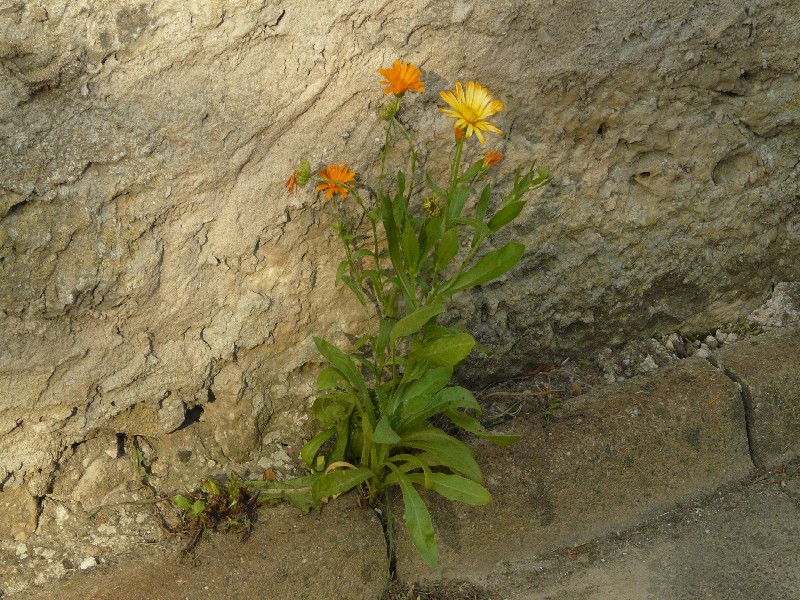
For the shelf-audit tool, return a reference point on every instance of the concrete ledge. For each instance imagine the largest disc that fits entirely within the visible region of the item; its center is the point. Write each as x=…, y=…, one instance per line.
x=768, y=367
x=338, y=553
x=612, y=459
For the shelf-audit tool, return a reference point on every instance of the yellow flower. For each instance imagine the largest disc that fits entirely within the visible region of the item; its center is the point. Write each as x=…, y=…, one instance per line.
x=339, y=176
x=471, y=108
x=291, y=183
x=492, y=158
x=402, y=77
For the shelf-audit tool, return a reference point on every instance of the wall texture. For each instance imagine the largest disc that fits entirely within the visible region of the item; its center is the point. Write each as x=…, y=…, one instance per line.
x=153, y=267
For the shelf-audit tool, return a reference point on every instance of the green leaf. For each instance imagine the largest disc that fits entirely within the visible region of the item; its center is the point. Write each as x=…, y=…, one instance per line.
x=383, y=401
x=432, y=234
x=456, y=202
x=384, y=434
x=332, y=408
x=384, y=331
x=422, y=407
x=455, y=487
x=395, y=255
x=483, y=203
x=410, y=246
x=197, y=508
x=338, y=482
x=447, y=248
x=182, y=502
x=330, y=377
x=431, y=380
x=474, y=169
x=474, y=426
x=506, y=214
x=412, y=323
x=445, y=448
x=309, y=451
x=489, y=267
x=447, y=351
x=418, y=519
x=478, y=226
x=344, y=363
x=435, y=188
x=296, y=492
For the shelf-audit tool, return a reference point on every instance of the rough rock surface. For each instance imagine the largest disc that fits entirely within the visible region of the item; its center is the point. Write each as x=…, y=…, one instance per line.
x=153, y=272
x=768, y=369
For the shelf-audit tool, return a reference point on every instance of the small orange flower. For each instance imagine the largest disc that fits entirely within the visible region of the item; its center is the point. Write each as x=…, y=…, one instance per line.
x=492, y=158
x=291, y=183
x=339, y=176
x=458, y=132
x=402, y=77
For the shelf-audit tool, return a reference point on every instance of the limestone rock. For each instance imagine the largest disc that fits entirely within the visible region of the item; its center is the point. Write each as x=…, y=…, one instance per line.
x=18, y=513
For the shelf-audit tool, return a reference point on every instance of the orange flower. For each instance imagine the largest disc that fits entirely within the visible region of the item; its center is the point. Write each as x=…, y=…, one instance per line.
x=402, y=77
x=291, y=183
x=339, y=176
x=492, y=158
x=459, y=133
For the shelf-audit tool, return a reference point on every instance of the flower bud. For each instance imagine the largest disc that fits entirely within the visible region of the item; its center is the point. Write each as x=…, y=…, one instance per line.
x=303, y=172
x=390, y=110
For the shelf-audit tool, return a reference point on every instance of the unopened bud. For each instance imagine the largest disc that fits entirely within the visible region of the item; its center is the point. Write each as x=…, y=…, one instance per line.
x=390, y=110
x=303, y=172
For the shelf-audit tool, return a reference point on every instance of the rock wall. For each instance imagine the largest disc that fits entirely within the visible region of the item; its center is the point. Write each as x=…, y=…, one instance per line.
x=155, y=277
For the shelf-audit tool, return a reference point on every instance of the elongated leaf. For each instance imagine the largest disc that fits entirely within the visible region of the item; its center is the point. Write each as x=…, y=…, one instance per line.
x=429, y=381
x=447, y=351
x=489, y=267
x=473, y=426
x=479, y=226
x=472, y=171
x=395, y=255
x=483, y=203
x=412, y=323
x=384, y=434
x=338, y=482
x=432, y=233
x=435, y=188
x=456, y=201
x=447, y=248
x=296, y=492
x=506, y=214
x=410, y=246
x=344, y=363
x=309, y=451
x=455, y=487
x=450, y=451
x=384, y=330
x=421, y=407
x=383, y=401
x=418, y=519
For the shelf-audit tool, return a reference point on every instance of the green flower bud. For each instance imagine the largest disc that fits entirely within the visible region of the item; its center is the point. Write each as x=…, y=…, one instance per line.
x=390, y=110
x=303, y=172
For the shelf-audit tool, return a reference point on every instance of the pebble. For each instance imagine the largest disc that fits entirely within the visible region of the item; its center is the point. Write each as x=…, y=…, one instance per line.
x=88, y=563
x=712, y=342
x=703, y=351
x=732, y=337
x=648, y=365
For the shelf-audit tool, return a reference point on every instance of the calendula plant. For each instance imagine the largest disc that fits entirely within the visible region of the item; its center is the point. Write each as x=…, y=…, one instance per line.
x=422, y=246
